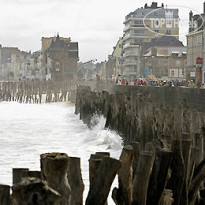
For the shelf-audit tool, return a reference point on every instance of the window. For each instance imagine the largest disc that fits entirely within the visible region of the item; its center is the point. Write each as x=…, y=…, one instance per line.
x=138, y=32
x=168, y=23
x=137, y=41
x=138, y=22
x=57, y=65
x=168, y=32
x=155, y=13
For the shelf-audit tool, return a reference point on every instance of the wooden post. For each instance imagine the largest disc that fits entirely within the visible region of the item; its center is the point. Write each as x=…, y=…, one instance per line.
x=196, y=182
x=54, y=169
x=136, y=147
x=149, y=147
x=123, y=195
x=19, y=174
x=194, y=155
x=185, y=136
x=36, y=174
x=186, y=152
x=75, y=181
x=93, y=167
x=106, y=154
x=102, y=182
x=141, y=180
x=158, y=177
x=94, y=163
x=176, y=181
x=33, y=191
x=199, y=143
x=4, y=194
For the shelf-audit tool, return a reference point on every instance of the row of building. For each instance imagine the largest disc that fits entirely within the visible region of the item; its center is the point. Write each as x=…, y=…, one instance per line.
x=56, y=60
x=148, y=50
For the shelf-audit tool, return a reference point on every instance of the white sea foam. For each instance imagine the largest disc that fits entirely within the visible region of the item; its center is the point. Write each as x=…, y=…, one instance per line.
x=28, y=130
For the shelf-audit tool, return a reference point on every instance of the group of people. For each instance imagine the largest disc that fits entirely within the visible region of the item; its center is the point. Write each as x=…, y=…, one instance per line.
x=159, y=83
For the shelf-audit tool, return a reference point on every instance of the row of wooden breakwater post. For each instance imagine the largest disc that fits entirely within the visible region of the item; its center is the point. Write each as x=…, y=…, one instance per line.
x=158, y=175
x=37, y=91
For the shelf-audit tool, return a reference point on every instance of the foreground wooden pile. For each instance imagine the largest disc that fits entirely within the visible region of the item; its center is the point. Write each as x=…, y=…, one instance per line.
x=158, y=175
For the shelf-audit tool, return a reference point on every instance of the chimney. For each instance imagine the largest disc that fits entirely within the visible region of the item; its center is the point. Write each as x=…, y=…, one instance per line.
x=190, y=15
x=154, y=5
x=190, y=20
x=204, y=7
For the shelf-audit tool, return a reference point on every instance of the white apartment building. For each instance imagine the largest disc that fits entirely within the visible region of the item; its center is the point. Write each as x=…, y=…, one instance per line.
x=141, y=26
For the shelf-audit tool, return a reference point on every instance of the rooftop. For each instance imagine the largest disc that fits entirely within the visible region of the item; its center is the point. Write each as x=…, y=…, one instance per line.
x=164, y=41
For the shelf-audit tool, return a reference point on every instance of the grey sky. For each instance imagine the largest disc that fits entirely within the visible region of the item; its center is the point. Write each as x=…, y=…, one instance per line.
x=95, y=24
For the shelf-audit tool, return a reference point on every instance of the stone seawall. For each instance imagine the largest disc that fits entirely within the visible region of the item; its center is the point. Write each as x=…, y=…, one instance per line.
x=145, y=113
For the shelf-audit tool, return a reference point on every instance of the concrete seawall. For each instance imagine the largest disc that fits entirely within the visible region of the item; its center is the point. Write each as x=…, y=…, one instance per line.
x=145, y=113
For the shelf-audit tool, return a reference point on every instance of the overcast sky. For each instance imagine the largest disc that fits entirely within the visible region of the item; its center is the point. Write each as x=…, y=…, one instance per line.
x=95, y=24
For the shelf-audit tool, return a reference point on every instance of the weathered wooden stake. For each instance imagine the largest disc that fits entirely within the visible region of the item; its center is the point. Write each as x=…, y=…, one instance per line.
x=177, y=168
x=19, y=174
x=4, y=194
x=102, y=182
x=36, y=174
x=186, y=152
x=192, y=163
x=136, y=147
x=199, y=143
x=94, y=163
x=158, y=177
x=198, y=177
x=141, y=180
x=54, y=169
x=106, y=154
x=33, y=191
x=123, y=195
x=75, y=181
x=93, y=167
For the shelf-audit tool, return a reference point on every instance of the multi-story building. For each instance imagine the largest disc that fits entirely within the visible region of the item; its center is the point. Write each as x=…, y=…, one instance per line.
x=27, y=65
x=61, y=60
x=102, y=70
x=46, y=42
x=16, y=64
x=6, y=53
x=196, y=45
x=142, y=26
x=194, y=50
x=164, y=58
x=114, y=64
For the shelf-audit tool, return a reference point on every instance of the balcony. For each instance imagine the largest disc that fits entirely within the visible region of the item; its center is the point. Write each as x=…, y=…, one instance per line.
x=127, y=54
x=133, y=17
x=139, y=16
x=130, y=45
x=133, y=26
x=136, y=35
x=129, y=63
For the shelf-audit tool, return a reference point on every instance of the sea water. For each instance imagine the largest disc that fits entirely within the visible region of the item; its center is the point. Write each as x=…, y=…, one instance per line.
x=28, y=130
